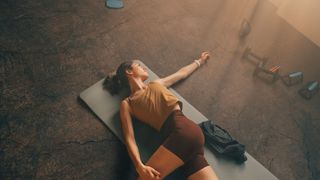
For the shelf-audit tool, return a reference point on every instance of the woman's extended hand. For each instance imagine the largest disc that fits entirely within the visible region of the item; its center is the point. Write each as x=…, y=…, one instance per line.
x=148, y=173
x=204, y=57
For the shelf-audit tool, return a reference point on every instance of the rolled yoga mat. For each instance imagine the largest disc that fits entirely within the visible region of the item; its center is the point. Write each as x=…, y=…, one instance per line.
x=106, y=107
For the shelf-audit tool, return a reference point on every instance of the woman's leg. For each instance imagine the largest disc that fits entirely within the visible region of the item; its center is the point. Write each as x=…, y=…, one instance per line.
x=205, y=173
x=164, y=161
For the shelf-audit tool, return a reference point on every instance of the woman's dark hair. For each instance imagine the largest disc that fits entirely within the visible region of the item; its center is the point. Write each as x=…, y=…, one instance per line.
x=115, y=81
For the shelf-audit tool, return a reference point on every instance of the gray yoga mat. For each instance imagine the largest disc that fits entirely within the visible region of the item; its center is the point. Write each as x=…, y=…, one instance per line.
x=106, y=107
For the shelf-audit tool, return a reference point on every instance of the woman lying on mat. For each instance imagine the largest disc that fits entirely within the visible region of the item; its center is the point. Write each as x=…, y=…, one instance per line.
x=154, y=104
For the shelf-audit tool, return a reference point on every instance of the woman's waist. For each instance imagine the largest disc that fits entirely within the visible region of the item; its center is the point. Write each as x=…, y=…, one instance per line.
x=158, y=118
x=171, y=122
x=176, y=107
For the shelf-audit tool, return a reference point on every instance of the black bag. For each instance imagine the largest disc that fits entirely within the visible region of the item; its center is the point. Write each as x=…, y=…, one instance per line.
x=221, y=141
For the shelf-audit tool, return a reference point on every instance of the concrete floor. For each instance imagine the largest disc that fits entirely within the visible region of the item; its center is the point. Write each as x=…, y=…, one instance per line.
x=50, y=51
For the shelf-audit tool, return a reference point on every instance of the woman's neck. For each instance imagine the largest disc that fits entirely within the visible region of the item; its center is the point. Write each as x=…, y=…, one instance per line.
x=136, y=84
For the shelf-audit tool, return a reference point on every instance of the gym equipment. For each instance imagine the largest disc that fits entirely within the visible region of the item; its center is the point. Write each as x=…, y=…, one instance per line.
x=114, y=4
x=245, y=28
x=254, y=58
x=309, y=90
x=259, y=66
x=265, y=74
x=292, y=78
x=106, y=107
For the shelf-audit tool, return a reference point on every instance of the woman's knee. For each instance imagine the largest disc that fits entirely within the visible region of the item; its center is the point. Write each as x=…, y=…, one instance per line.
x=206, y=173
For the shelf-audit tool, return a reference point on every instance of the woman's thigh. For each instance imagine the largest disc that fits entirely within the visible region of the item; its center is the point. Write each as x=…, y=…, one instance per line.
x=164, y=161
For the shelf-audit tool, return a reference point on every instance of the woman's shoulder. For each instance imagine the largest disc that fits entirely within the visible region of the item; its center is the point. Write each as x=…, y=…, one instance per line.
x=153, y=81
x=156, y=81
x=126, y=100
x=127, y=105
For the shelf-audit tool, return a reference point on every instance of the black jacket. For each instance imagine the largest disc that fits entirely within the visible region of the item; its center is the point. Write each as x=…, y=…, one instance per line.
x=220, y=141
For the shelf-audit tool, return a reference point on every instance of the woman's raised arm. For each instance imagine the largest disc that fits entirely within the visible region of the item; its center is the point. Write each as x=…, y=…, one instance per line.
x=184, y=71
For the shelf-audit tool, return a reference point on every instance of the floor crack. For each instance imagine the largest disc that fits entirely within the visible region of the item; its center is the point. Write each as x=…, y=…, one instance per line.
x=88, y=141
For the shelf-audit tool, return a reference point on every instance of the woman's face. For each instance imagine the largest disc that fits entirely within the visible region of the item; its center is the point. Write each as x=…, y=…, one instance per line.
x=139, y=71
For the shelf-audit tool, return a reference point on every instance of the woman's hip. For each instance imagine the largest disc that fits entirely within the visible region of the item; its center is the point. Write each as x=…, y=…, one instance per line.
x=182, y=136
x=182, y=127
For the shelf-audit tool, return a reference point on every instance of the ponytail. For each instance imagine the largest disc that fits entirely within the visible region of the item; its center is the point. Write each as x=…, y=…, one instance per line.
x=115, y=81
x=112, y=84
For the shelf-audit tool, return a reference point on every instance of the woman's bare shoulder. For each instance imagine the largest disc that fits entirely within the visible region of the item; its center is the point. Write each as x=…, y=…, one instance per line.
x=125, y=105
x=157, y=81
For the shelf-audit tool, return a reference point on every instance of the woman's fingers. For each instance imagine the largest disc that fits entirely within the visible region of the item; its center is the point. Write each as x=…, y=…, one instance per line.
x=205, y=56
x=151, y=174
x=205, y=52
x=156, y=172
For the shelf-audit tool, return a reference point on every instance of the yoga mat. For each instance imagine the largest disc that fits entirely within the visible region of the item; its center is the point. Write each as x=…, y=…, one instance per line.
x=106, y=107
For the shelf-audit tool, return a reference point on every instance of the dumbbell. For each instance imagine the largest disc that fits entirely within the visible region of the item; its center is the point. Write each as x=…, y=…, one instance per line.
x=248, y=54
x=244, y=29
x=273, y=71
x=259, y=67
x=309, y=90
x=292, y=78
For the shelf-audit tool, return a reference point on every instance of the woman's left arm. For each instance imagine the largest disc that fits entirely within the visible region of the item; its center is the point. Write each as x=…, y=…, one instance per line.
x=184, y=71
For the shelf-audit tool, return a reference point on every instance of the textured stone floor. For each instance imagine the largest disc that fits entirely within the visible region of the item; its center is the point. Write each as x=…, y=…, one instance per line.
x=50, y=51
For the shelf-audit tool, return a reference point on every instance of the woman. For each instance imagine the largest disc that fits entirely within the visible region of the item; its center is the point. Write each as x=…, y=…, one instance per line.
x=156, y=106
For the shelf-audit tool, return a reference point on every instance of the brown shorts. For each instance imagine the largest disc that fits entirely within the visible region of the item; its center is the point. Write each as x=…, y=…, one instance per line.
x=184, y=138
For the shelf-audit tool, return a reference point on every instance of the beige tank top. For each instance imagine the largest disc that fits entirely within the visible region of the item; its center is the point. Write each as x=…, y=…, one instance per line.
x=154, y=104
